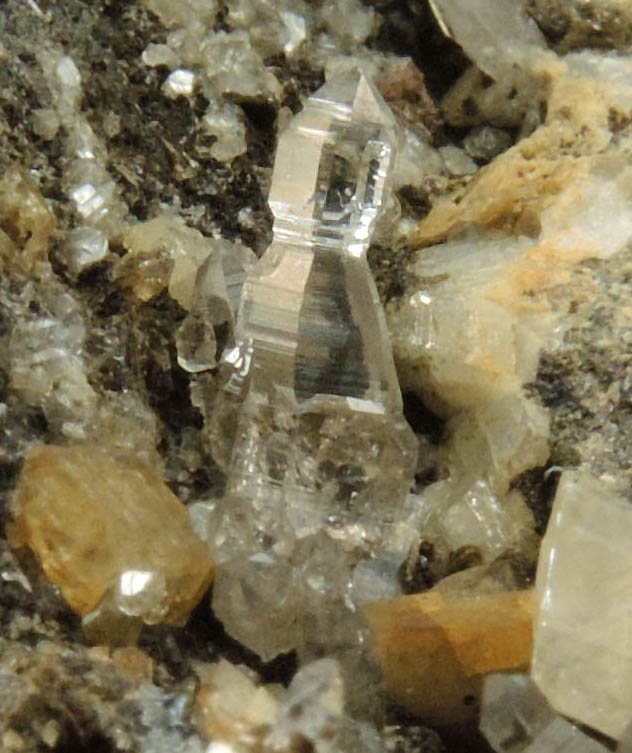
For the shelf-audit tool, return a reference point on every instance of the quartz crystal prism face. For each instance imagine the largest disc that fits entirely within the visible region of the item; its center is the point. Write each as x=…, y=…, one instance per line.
x=310, y=313
x=309, y=425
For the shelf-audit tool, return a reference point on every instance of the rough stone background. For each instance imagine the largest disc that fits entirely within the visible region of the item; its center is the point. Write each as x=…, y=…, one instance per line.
x=55, y=692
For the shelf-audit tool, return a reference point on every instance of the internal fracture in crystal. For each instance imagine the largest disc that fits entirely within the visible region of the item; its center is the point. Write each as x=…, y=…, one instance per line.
x=321, y=460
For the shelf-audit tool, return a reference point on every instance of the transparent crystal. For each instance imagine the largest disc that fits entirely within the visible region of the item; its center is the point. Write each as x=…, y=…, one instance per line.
x=516, y=717
x=310, y=313
x=208, y=327
x=308, y=424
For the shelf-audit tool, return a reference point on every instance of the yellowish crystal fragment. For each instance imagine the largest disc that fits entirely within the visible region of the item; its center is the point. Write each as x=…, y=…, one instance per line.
x=108, y=526
x=231, y=706
x=435, y=650
x=26, y=223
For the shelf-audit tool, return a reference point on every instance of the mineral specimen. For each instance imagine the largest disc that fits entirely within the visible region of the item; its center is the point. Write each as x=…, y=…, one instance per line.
x=516, y=717
x=459, y=514
x=436, y=649
x=108, y=531
x=581, y=658
x=322, y=458
x=45, y=356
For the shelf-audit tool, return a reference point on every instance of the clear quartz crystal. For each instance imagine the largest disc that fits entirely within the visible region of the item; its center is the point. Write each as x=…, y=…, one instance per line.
x=321, y=459
x=516, y=718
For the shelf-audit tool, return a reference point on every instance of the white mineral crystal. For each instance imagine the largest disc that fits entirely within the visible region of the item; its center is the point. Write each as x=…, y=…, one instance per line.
x=516, y=718
x=92, y=189
x=179, y=83
x=84, y=246
x=225, y=121
x=46, y=364
x=348, y=21
x=415, y=160
x=274, y=25
x=159, y=54
x=233, y=66
x=582, y=659
x=45, y=123
x=321, y=461
x=184, y=12
x=232, y=707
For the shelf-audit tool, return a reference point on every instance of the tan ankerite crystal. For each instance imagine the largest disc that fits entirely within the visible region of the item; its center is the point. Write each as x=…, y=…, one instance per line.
x=435, y=650
x=100, y=524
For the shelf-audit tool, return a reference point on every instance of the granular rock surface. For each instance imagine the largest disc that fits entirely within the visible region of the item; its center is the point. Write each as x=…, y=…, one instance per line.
x=137, y=140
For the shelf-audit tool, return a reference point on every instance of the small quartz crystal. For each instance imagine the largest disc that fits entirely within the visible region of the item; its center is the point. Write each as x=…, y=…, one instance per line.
x=516, y=717
x=582, y=659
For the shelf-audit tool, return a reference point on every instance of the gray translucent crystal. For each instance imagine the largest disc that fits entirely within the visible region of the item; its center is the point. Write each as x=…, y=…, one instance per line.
x=516, y=717
x=308, y=424
x=209, y=325
x=485, y=142
x=456, y=161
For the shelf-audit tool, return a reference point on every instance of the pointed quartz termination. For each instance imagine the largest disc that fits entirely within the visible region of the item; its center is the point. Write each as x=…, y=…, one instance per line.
x=310, y=314
x=319, y=457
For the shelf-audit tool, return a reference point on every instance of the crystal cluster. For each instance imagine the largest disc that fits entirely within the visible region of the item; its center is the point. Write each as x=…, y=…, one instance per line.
x=582, y=660
x=321, y=459
x=88, y=184
x=240, y=715
x=45, y=355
